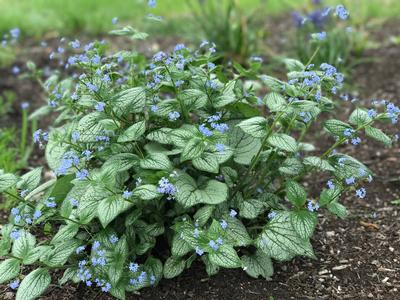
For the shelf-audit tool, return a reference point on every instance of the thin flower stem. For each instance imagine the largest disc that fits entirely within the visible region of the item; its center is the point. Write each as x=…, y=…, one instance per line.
x=19, y=199
x=313, y=56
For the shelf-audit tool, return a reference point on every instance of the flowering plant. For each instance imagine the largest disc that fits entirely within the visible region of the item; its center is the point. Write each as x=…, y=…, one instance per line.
x=337, y=42
x=159, y=164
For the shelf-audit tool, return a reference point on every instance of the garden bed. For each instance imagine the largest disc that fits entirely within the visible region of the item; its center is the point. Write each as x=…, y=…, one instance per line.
x=357, y=258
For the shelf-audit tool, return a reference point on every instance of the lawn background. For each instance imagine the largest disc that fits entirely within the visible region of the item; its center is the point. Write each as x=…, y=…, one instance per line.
x=66, y=17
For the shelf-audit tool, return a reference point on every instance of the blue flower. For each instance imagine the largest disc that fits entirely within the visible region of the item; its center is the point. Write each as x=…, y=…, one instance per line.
x=211, y=65
x=220, y=147
x=152, y=279
x=87, y=153
x=213, y=245
x=106, y=78
x=17, y=219
x=24, y=105
x=341, y=161
x=165, y=187
x=16, y=70
x=79, y=249
x=306, y=116
x=15, y=234
x=15, y=33
x=361, y=193
x=37, y=214
x=75, y=136
x=205, y=131
x=88, y=47
x=221, y=127
x=214, y=118
x=73, y=202
x=330, y=70
x=159, y=56
x=60, y=50
x=178, y=83
x=330, y=184
x=75, y=44
x=362, y=172
x=127, y=194
x=100, y=106
x=14, y=284
x=38, y=136
x=199, y=251
x=133, y=281
x=339, y=77
x=372, y=113
x=311, y=79
x=82, y=174
x=179, y=47
x=351, y=180
x=113, y=239
x=256, y=59
x=152, y=3
x=211, y=84
x=69, y=159
x=348, y=132
x=114, y=20
x=220, y=241
x=224, y=224
x=14, y=211
x=106, y=287
x=312, y=207
x=133, y=267
x=232, y=213
x=174, y=115
x=196, y=233
x=356, y=141
x=320, y=35
x=272, y=215
x=341, y=12
x=50, y=204
x=154, y=108
x=23, y=193
x=141, y=278
x=92, y=87
x=318, y=96
x=298, y=19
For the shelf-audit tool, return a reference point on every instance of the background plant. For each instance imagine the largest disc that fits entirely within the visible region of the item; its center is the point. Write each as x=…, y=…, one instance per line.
x=158, y=164
x=14, y=141
x=235, y=30
x=339, y=44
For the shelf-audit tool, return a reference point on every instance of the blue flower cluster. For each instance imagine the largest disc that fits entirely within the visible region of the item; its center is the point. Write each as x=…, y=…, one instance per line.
x=27, y=216
x=11, y=37
x=141, y=277
x=166, y=187
x=311, y=206
x=69, y=160
x=40, y=136
x=319, y=17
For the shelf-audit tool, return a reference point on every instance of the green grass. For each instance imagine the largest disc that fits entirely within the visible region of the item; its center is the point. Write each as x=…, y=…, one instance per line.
x=37, y=17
